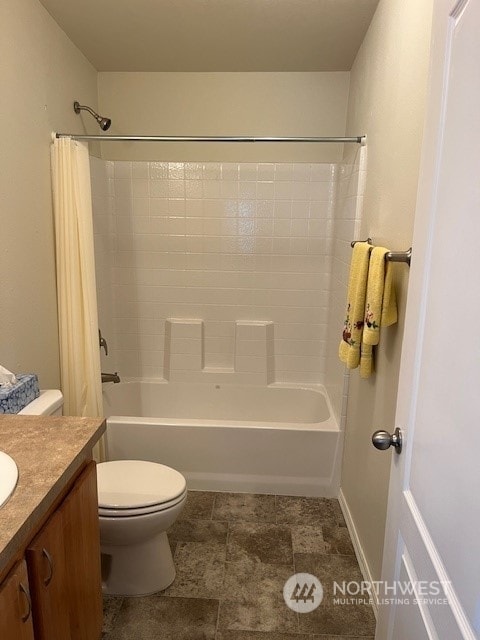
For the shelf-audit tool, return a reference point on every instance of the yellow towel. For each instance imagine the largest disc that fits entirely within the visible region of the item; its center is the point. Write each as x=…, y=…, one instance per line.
x=349, y=350
x=380, y=306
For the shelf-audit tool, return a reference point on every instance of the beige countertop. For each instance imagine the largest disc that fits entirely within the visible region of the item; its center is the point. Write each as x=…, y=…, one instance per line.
x=48, y=451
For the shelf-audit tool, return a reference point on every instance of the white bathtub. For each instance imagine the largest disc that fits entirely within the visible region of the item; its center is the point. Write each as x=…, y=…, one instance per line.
x=273, y=439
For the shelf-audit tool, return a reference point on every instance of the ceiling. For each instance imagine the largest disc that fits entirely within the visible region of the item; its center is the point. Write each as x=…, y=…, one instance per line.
x=215, y=35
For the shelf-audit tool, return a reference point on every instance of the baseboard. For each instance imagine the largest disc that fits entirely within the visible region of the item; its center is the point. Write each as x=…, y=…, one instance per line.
x=362, y=560
x=274, y=485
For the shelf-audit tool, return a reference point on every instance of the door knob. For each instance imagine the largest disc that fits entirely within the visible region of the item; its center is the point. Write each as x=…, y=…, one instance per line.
x=383, y=440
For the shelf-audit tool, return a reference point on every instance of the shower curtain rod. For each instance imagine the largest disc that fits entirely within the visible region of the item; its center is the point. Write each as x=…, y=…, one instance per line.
x=101, y=138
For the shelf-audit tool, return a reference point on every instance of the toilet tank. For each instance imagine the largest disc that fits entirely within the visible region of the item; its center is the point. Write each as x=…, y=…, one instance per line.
x=48, y=403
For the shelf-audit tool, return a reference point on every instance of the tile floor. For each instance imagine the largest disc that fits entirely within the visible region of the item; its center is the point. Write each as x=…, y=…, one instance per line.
x=233, y=553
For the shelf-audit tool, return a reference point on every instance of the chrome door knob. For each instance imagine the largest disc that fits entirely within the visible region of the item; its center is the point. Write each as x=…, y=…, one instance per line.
x=383, y=440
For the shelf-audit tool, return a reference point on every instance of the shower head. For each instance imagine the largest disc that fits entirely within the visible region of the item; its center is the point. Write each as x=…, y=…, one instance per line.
x=104, y=123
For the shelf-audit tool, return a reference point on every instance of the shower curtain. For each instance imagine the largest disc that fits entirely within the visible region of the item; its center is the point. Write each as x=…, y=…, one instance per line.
x=76, y=286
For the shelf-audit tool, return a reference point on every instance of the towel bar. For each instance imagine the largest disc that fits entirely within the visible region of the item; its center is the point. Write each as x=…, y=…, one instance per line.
x=400, y=256
x=354, y=242
x=392, y=256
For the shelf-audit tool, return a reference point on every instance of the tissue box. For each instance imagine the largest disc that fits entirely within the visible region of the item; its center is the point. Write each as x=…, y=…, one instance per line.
x=15, y=398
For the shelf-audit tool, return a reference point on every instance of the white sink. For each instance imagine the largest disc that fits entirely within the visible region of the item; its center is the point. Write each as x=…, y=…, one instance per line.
x=8, y=477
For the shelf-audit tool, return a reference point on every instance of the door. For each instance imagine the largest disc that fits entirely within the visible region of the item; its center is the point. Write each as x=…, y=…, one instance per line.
x=64, y=567
x=15, y=606
x=432, y=543
x=81, y=539
x=46, y=571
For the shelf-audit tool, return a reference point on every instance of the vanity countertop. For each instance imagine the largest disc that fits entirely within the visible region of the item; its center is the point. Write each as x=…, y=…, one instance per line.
x=48, y=451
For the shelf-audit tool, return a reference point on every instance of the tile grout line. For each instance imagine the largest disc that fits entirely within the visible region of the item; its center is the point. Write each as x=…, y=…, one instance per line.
x=214, y=503
x=220, y=600
x=218, y=616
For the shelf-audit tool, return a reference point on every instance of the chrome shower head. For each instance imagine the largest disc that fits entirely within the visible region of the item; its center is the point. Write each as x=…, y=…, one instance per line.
x=104, y=123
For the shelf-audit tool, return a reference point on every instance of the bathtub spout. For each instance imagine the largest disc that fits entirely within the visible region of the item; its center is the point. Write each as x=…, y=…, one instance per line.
x=110, y=377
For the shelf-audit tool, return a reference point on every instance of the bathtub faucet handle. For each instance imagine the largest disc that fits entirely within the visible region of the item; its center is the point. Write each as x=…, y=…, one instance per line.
x=102, y=342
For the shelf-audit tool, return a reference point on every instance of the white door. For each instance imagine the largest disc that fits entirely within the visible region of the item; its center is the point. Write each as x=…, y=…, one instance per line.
x=433, y=524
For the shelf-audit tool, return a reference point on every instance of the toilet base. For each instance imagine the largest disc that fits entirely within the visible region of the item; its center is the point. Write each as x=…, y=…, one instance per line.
x=137, y=570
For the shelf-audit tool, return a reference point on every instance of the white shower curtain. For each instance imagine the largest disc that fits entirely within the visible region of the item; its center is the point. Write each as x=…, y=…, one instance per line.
x=76, y=286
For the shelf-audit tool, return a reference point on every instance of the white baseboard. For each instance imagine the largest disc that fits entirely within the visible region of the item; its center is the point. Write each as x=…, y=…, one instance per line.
x=362, y=560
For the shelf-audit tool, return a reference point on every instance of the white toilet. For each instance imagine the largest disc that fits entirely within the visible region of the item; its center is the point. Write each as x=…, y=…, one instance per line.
x=138, y=501
x=48, y=403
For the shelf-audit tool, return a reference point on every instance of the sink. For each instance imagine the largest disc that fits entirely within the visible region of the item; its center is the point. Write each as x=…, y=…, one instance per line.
x=8, y=477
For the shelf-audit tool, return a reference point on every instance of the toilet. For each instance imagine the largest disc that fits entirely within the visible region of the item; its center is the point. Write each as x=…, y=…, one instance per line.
x=137, y=502
x=48, y=403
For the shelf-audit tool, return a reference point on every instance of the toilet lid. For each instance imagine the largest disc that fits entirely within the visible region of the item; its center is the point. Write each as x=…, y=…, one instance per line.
x=127, y=484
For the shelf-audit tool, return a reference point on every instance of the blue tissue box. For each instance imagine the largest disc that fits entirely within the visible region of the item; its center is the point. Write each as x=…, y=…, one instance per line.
x=15, y=398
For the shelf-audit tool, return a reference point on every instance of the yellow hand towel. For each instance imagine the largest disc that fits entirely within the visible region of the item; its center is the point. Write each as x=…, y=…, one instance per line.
x=349, y=350
x=366, y=360
x=380, y=306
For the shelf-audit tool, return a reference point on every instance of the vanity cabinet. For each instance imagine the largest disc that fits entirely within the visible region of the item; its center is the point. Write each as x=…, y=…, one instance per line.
x=64, y=567
x=50, y=576
x=15, y=606
x=54, y=592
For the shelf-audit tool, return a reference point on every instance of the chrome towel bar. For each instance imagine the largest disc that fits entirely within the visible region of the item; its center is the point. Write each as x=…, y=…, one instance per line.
x=392, y=256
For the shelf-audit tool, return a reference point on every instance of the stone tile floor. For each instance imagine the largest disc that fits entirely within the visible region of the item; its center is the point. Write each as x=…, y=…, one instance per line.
x=233, y=553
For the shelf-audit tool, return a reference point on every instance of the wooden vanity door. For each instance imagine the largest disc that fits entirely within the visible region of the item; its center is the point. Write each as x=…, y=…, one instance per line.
x=82, y=556
x=46, y=568
x=64, y=567
x=15, y=606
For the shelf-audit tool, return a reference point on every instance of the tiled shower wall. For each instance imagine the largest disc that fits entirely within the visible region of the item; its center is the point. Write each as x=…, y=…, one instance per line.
x=346, y=226
x=215, y=271
x=104, y=244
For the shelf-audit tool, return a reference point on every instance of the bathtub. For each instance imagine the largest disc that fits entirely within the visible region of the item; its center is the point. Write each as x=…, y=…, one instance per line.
x=280, y=439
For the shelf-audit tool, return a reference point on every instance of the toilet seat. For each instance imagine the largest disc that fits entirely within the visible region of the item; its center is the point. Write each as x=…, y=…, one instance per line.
x=137, y=487
x=140, y=511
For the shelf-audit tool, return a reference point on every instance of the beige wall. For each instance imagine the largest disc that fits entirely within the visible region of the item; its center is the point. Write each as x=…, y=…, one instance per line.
x=387, y=102
x=263, y=104
x=41, y=73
